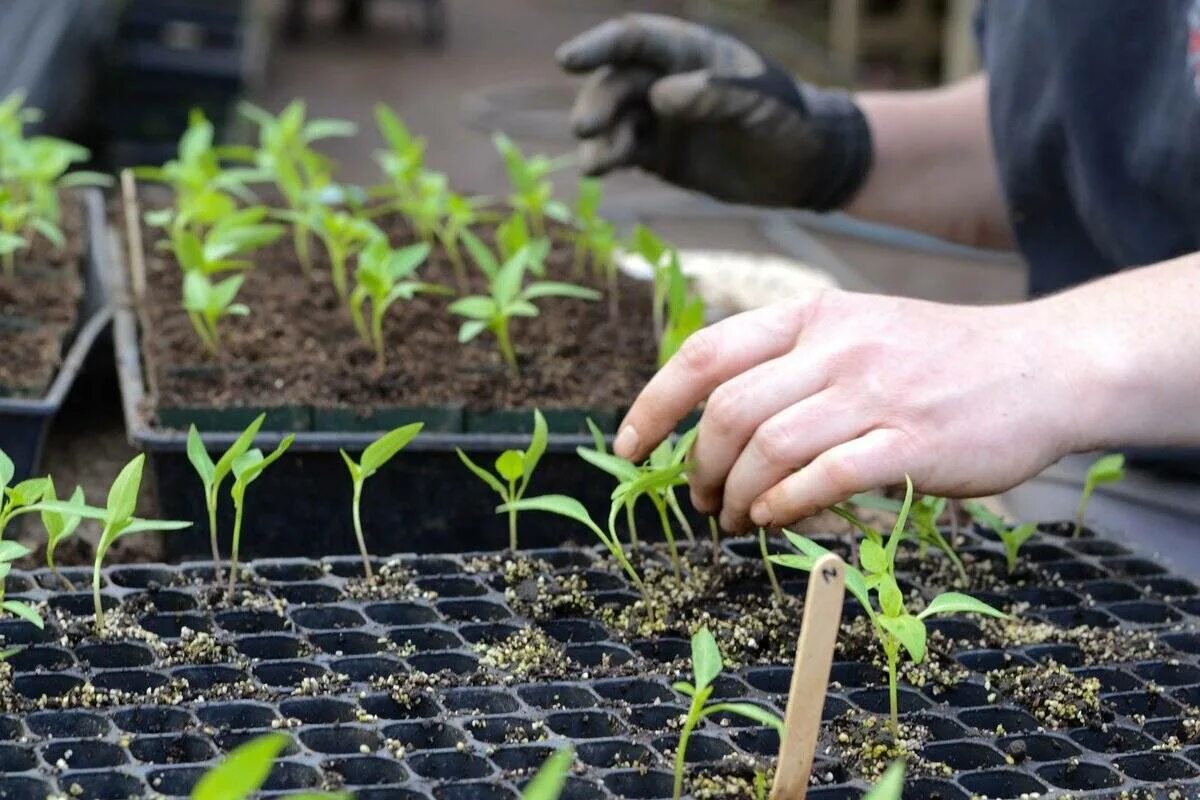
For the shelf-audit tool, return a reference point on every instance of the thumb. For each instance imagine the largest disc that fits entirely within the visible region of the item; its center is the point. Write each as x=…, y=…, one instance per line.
x=687, y=96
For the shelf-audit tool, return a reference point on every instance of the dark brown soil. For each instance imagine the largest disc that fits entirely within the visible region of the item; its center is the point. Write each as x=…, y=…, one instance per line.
x=299, y=347
x=40, y=309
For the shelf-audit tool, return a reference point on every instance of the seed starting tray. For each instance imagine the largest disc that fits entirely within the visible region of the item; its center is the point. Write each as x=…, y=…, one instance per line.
x=313, y=662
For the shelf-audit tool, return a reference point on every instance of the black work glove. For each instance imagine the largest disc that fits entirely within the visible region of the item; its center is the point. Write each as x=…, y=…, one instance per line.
x=707, y=112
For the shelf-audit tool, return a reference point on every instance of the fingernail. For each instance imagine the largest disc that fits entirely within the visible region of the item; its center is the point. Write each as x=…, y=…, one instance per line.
x=625, y=445
x=760, y=512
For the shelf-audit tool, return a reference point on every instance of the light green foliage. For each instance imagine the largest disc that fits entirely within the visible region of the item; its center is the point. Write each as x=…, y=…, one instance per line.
x=656, y=253
x=59, y=527
x=33, y=169
x=217, y=249
x=207, y=303
x=923, y=518
x=890, y=786
x=10, y=552
x=683, y=312
x=344, y=235
x=213, y=475
x=374, y=457
x=571, y=508
x=895, y=626
x=1106, y=469
x=404, y=160
x=1012, y=538
x=286, y=156
x=532, y=192
x=384, y=276
x=118, y=520
x=776, y=590
x=17, y=499
x=656, y=479
x=549, y=781
x=245, y=770
x=425, y=204
x=595, y=239
x=706, y=666
x=514, y=469
x=246, y=469
x=508, y=297
x=460, y=214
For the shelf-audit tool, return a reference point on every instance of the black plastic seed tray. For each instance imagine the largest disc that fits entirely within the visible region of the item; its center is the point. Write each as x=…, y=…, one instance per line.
x=303, y=656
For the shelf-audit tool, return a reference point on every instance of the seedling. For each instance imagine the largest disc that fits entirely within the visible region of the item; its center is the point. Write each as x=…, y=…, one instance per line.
x=776, y=591
x=425, y=204
x=377, y=454
x=532, y=191
x=656, y=253
x=514, y=469
x=896, y=628
x=706, y=666
x=508, y=297
x=460, y=214
x=118, y=521
x=1107, y=469
x=245, y=770
x=59, y=527
x=404, y=160
x=513, y=235
x=924, y=516
x=549, y=781
x=299, y=172
x=683, y=310
x=572, y=509
x=17, y=499
x=213, y=475
x=344, y=236
x=10, y=552
x=207, y=303
x=1012, y=538
x=246, y=469
x=595, y=239
x=237, y=234
x=384, y=276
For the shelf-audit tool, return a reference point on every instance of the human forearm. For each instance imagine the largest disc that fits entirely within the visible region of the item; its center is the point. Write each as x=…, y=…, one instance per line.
x=933, y=167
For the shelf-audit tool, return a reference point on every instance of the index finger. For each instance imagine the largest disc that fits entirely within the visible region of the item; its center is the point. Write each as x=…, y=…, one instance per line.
x=657, y=41
x=707, y=359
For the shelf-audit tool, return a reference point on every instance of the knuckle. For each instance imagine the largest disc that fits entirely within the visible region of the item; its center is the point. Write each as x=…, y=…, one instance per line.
x=699, y=352
x=724, y=410
x=841, y=473
x=776, y=443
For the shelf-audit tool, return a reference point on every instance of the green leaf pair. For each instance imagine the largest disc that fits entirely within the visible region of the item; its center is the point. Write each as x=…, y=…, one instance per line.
x=374, y=457
x=514, y=470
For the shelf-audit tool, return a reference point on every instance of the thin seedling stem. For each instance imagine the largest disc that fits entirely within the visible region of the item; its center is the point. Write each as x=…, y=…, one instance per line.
x=212, y=533
x=70, y=587
x=233, y=556
x=668, y=535
x=633, y=534
x=300, y=241
x=358, y=532
x=506, y=349
x=766, y=557
x=716, y=541
x=512, y=531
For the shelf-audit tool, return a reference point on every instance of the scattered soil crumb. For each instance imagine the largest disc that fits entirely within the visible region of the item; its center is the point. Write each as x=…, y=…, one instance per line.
x=527, y=654
x=393, y=581
x=1052, y=693
x=867, y=745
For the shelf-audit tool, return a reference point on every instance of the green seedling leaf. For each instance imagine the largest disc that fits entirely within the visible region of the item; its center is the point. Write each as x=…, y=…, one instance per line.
x=123, y=494
x=749, y=711
x=616, y=466
x=706, y=658
x=8, y=652
x=549, y=781
x=891, y=599
x=684, y=688
x=890, y=786
x=481, y=473
x=873, y=557
x=199, y=458
x=1107, y=469
x=901, y=521
x=245, y=770
x=537, y=445
x=11, y=551
x=910, y=632
x=386, y=447
x=7, y=470
x=556, y=504
x=958, y=603
x=510, y=465
x=24, y=611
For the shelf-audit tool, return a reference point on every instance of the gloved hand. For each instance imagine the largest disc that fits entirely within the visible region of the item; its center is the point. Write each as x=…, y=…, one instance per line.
x=707, y=112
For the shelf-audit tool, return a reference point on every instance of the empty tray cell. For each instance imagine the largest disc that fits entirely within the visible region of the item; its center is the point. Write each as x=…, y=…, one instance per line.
x=657, y=717
x=318, y=710
x=452, y=586
x=457, y=663
x=701, y=749
x=1170, y=588
x=288, y=673
x=615, y=754
x=16, y=758
x=443, y=766
x=639, y=784
x=1156, y=767
x=237, y=716
x=558, y=696
x=175, y=781
x=521, y=759
x=1145, y=612
x=966, y=694
x=289, y=776
x=932, y=789
x=964, y=755
x=67, y=724
x=479, y=701
x=1038, y=747
x=1111, y=679
x=488, y=632
x=595, y=655
x=115, y=655
x=41, y=657
x=473, y=610
x=941, y=728
x=131, y=681
x=634, y=691
x=302, y=594
x=271, y=647
x=401, y=613
x=1142, y=704
x=575, y=631
x=341, y=740
x=37, y=687
x=432, y=565
x=1109, y=591
x=425, y=735
x=288, y=571
x=243, y=621
x=1068, y=655
x=1001, y=784
x=1010, y=720
x=1074, y=617
x=424, y=639
x=585, y=724
x=83, y=754
x=348, y=643
x=20, y=632
x=1112, y=739
x=850, y=674
x=1097, y=547
x=505, y=730
x=473, y=791
x=877, y=701
x=141, y=577
x=385, y=707
x=171, y=625
x=107, y=785
x=985, y=661
x=205, y=678
x=1045, y=597
x=1168, y=673
x=324, y=618
x=367, y=770
x=362, y=669
x=758, y=741
x=80, y=604
x=172, y=749
x=1133, y=567
x=162, y=600
x=20, y=787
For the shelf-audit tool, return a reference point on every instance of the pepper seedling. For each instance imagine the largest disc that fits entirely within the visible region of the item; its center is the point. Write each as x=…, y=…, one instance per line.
x=896, y=628
x=59, y=527
x=383, y=277
x=10, y=552
x=246, y=469
x=595, y=240
x=513, y=234
x=207, y=303
x=550, y=779
x=706, y=667
x=514, y=469
x=923, y=517
x=118, y=520
x=571, y=508
x=776, y=590
x=246, y=769
x=17, y=499
x=374, y=457
x=1106, y=469
x=508, y=297
x=213, y=475
x=1012, y=538
x=460, y=214
x=532, y=192
x=344, y=236
x=404, y=160
x=656, y=253
x=683, y=310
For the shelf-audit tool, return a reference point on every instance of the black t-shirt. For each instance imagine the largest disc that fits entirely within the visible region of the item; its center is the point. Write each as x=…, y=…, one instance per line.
x=1095, y=114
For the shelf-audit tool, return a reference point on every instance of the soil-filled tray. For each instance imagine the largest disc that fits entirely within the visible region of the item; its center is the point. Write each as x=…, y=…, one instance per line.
x=456, y=676
x=49, y=319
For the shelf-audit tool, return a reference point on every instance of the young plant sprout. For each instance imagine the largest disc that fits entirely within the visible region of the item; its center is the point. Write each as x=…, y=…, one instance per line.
x=299, y=172
x=514, y=468
x=59, y=527
x=656, y=253
x=512, y=235
x=213, y=475
x=1107, y=469
x=508, y=297
x=207, y=303
x=425, y=205
x=118, y=520
x=683, y=312
x=550, y=779
x=404, y=160
x=896, y=628
x=344, y=236
x=924, y=516
x=246, y=769
x=460, y=214
x=246, y=469
x=706, y=666
x=1012, y=538
x=10, y=552
x=532, y=191
x=571, y=508
x=20, y=498
x=216, y=250
x=776, y=591
x=383, y=277
x=374, y=457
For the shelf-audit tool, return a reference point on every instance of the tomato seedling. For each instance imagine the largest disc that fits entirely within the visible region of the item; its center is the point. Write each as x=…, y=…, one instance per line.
x=374, y=457
x=514, y=469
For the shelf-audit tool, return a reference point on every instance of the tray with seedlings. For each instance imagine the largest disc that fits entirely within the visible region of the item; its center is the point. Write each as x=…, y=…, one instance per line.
x=53, y=249
x=996, y=661
x=260, y=285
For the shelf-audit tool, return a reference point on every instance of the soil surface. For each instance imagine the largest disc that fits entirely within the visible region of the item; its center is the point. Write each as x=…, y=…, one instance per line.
x=298, y=346
x=40, y=308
